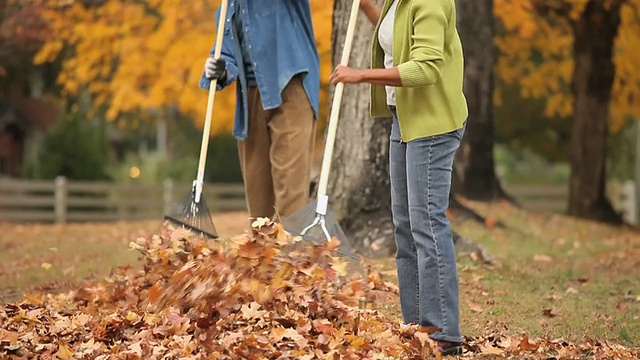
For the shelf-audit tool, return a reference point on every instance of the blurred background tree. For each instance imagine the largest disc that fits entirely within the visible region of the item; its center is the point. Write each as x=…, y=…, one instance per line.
x=579, y=56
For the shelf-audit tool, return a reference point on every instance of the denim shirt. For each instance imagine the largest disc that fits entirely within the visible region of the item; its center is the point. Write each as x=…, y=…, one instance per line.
x=281, y=42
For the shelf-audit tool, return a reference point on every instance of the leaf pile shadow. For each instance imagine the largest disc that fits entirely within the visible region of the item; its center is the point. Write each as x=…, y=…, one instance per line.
x=250, y=297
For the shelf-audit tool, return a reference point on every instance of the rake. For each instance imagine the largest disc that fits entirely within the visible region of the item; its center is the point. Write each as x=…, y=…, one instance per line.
x=305, y=222
x=193, y=214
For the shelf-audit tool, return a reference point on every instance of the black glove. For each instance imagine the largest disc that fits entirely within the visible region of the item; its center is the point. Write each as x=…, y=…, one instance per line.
x=215, y=69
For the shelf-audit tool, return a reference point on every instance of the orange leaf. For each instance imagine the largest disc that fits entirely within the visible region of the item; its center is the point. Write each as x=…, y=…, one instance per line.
x=527, y=345
x=154, y=293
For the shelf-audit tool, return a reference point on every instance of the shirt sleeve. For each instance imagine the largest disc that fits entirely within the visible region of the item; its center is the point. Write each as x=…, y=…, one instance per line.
x=226, y=54
x=429, y=21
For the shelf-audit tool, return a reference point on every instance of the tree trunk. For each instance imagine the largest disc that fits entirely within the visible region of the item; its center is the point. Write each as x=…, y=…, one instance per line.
x=474, y=174
x=594, y=35
x=359, y=187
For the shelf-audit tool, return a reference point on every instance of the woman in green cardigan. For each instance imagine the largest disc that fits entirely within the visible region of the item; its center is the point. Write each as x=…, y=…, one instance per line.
x=416, y=77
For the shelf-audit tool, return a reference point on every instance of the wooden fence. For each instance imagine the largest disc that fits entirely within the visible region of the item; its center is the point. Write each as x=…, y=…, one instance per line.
x=541, y=197
x=63, y=201
x=555, y=198
x=67, y=201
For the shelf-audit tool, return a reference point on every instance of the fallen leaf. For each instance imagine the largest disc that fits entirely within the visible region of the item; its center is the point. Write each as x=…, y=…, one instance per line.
x=46, y=266
x=621, y=307
x=260, y=222
x=9, y=336
x=491, y=350
x=64, y=353
x=490, y=222
x=528, y=345
x=542, y=258
x=474, y=307
x=252, y=311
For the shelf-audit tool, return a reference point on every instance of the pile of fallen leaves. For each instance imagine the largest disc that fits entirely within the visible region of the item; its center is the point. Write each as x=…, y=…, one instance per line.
x=256, y=296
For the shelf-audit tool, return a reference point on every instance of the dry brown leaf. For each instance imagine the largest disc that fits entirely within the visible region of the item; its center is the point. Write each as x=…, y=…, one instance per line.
x=64, y=353
x=474, y=307
x=196, y=297
x=525, y=344
x=491, y=350
x=542, y=258
x=549, y=312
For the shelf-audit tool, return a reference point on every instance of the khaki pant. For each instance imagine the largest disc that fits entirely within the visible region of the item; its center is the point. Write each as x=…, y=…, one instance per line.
x=277, y=154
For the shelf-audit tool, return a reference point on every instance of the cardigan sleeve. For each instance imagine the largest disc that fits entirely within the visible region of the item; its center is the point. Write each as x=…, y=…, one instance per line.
x=430, y=21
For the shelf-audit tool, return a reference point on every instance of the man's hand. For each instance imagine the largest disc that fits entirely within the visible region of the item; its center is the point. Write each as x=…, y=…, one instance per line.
x=347, y=75
x=215, y=69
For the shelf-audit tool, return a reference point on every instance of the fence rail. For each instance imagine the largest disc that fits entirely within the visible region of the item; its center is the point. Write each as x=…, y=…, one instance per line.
x=62, y=200
x=555, y=197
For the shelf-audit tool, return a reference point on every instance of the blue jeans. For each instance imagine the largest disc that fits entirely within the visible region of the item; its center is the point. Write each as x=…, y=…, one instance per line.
x=420, y=172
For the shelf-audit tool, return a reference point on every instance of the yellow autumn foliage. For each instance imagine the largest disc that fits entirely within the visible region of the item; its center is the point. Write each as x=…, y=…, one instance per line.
x=133, y=56
x=536, y=53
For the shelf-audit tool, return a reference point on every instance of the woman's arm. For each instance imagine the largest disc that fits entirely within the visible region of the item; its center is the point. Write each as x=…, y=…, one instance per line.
x=431, y=19
x=371, y=11
x=347, y=75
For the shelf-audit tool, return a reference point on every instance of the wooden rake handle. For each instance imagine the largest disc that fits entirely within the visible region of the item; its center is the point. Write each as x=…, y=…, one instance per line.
x=335, y=112
x=212, y=95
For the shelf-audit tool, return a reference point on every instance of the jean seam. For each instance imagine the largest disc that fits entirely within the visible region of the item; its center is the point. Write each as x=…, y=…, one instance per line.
x=414, y=248
x=435, y=240
x=413, y=243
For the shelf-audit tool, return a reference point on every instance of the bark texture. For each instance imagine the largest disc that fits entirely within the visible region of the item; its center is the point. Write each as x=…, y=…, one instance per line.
x=474, y=173
x=594, y=36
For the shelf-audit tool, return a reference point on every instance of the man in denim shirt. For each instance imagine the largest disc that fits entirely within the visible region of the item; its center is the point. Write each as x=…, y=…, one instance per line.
x=269, y=49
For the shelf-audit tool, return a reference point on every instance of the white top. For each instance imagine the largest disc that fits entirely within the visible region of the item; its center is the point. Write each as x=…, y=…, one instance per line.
x=385, y=38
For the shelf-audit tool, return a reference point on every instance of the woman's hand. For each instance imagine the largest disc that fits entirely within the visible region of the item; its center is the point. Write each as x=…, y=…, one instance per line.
x=370, y=10
x=347, y=75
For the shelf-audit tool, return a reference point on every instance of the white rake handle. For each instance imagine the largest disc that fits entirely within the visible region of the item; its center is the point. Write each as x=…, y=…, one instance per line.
x=212, y=95
x=335, y=114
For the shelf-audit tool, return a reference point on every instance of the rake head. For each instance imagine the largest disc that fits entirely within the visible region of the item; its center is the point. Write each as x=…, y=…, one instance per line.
x=317, y=228
x=192, y=214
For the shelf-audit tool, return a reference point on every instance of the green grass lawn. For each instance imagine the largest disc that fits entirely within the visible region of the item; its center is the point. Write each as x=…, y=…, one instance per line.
x=46, y=257
x=555, y=276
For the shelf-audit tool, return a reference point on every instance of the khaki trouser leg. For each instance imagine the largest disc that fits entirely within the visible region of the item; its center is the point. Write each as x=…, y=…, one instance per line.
x=254, y=160
x=292, y=130
x=276, y=156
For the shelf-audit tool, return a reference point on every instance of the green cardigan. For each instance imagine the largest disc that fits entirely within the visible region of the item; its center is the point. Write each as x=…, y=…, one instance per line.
x=428, y=54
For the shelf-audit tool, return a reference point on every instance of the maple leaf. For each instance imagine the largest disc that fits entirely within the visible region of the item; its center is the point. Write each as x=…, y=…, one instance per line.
x=340, y=266
x=261, y=222
x=252, y=311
